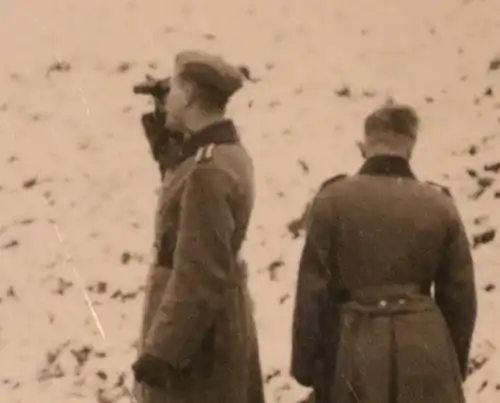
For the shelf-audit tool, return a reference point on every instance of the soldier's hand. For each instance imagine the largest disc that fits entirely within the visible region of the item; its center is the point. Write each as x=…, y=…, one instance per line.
x=152, y=371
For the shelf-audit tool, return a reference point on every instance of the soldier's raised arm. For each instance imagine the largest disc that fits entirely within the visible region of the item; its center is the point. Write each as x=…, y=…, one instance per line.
x=202, y=257
x=164, y=144
x=455, y=291
x=312, y=291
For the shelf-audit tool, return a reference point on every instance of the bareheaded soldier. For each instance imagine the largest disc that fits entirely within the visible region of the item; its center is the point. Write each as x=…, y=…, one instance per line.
x=198, y=341
x=366, y=327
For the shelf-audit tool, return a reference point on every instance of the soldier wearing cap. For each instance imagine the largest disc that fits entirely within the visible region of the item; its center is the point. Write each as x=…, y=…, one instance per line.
x=199, y=341
x=366, y=326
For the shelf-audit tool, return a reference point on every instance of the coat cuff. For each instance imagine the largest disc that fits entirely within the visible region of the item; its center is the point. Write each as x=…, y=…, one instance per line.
x=303, y=372
x=153, y=128
x=178, y=331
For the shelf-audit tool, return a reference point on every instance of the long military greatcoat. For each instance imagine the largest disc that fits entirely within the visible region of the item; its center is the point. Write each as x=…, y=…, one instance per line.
x=367, y=328
x=198, y=313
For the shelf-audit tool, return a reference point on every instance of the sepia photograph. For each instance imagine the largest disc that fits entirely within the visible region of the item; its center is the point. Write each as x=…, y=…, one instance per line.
x=251, y=201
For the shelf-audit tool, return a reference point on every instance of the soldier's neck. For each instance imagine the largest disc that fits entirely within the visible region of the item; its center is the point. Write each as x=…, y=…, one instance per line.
x=199, y=121
x=382, y=151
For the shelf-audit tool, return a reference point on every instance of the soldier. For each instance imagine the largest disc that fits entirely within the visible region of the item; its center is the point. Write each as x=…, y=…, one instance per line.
x=199, y=342
x=366, y=327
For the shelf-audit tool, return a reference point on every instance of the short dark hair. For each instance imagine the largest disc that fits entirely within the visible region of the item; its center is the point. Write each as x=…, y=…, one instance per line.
x=400, y=119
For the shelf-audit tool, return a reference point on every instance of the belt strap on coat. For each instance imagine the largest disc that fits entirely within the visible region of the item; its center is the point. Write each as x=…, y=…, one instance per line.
x=387, y=299
x=371, y=294
x=393, y=291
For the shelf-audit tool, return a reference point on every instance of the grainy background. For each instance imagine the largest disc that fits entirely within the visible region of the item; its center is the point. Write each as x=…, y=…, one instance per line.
x=72, y=152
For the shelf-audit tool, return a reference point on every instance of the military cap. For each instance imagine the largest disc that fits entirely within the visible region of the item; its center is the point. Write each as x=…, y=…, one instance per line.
x=397, y=117
x=211, y=71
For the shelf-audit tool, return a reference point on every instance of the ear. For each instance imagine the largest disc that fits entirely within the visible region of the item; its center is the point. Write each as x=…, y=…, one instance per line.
x=362, y=148
x=409, y=154
x=189, y=90
x=411, y=149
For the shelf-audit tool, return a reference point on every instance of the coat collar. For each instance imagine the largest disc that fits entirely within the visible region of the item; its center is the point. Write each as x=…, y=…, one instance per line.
x=223, y=132
x=387, y=165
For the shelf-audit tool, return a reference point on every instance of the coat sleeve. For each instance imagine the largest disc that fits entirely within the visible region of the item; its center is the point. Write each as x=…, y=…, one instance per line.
x=202, y=259
x=161, y=142
x=312, y=289
x=455, y=290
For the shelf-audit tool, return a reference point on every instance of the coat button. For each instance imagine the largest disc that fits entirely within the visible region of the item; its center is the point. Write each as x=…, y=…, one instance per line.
x=382, y=303
x=401, y=302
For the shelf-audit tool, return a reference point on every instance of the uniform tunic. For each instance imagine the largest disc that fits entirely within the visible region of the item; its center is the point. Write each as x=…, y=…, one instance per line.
x=198, y=313
x=367, y=328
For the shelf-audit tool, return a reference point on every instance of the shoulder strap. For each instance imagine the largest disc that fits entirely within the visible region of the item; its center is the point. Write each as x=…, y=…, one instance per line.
x=437, y=186
x=331, y=180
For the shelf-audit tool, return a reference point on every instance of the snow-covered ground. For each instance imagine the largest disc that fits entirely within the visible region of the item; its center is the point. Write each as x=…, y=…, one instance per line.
x=74, y=162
